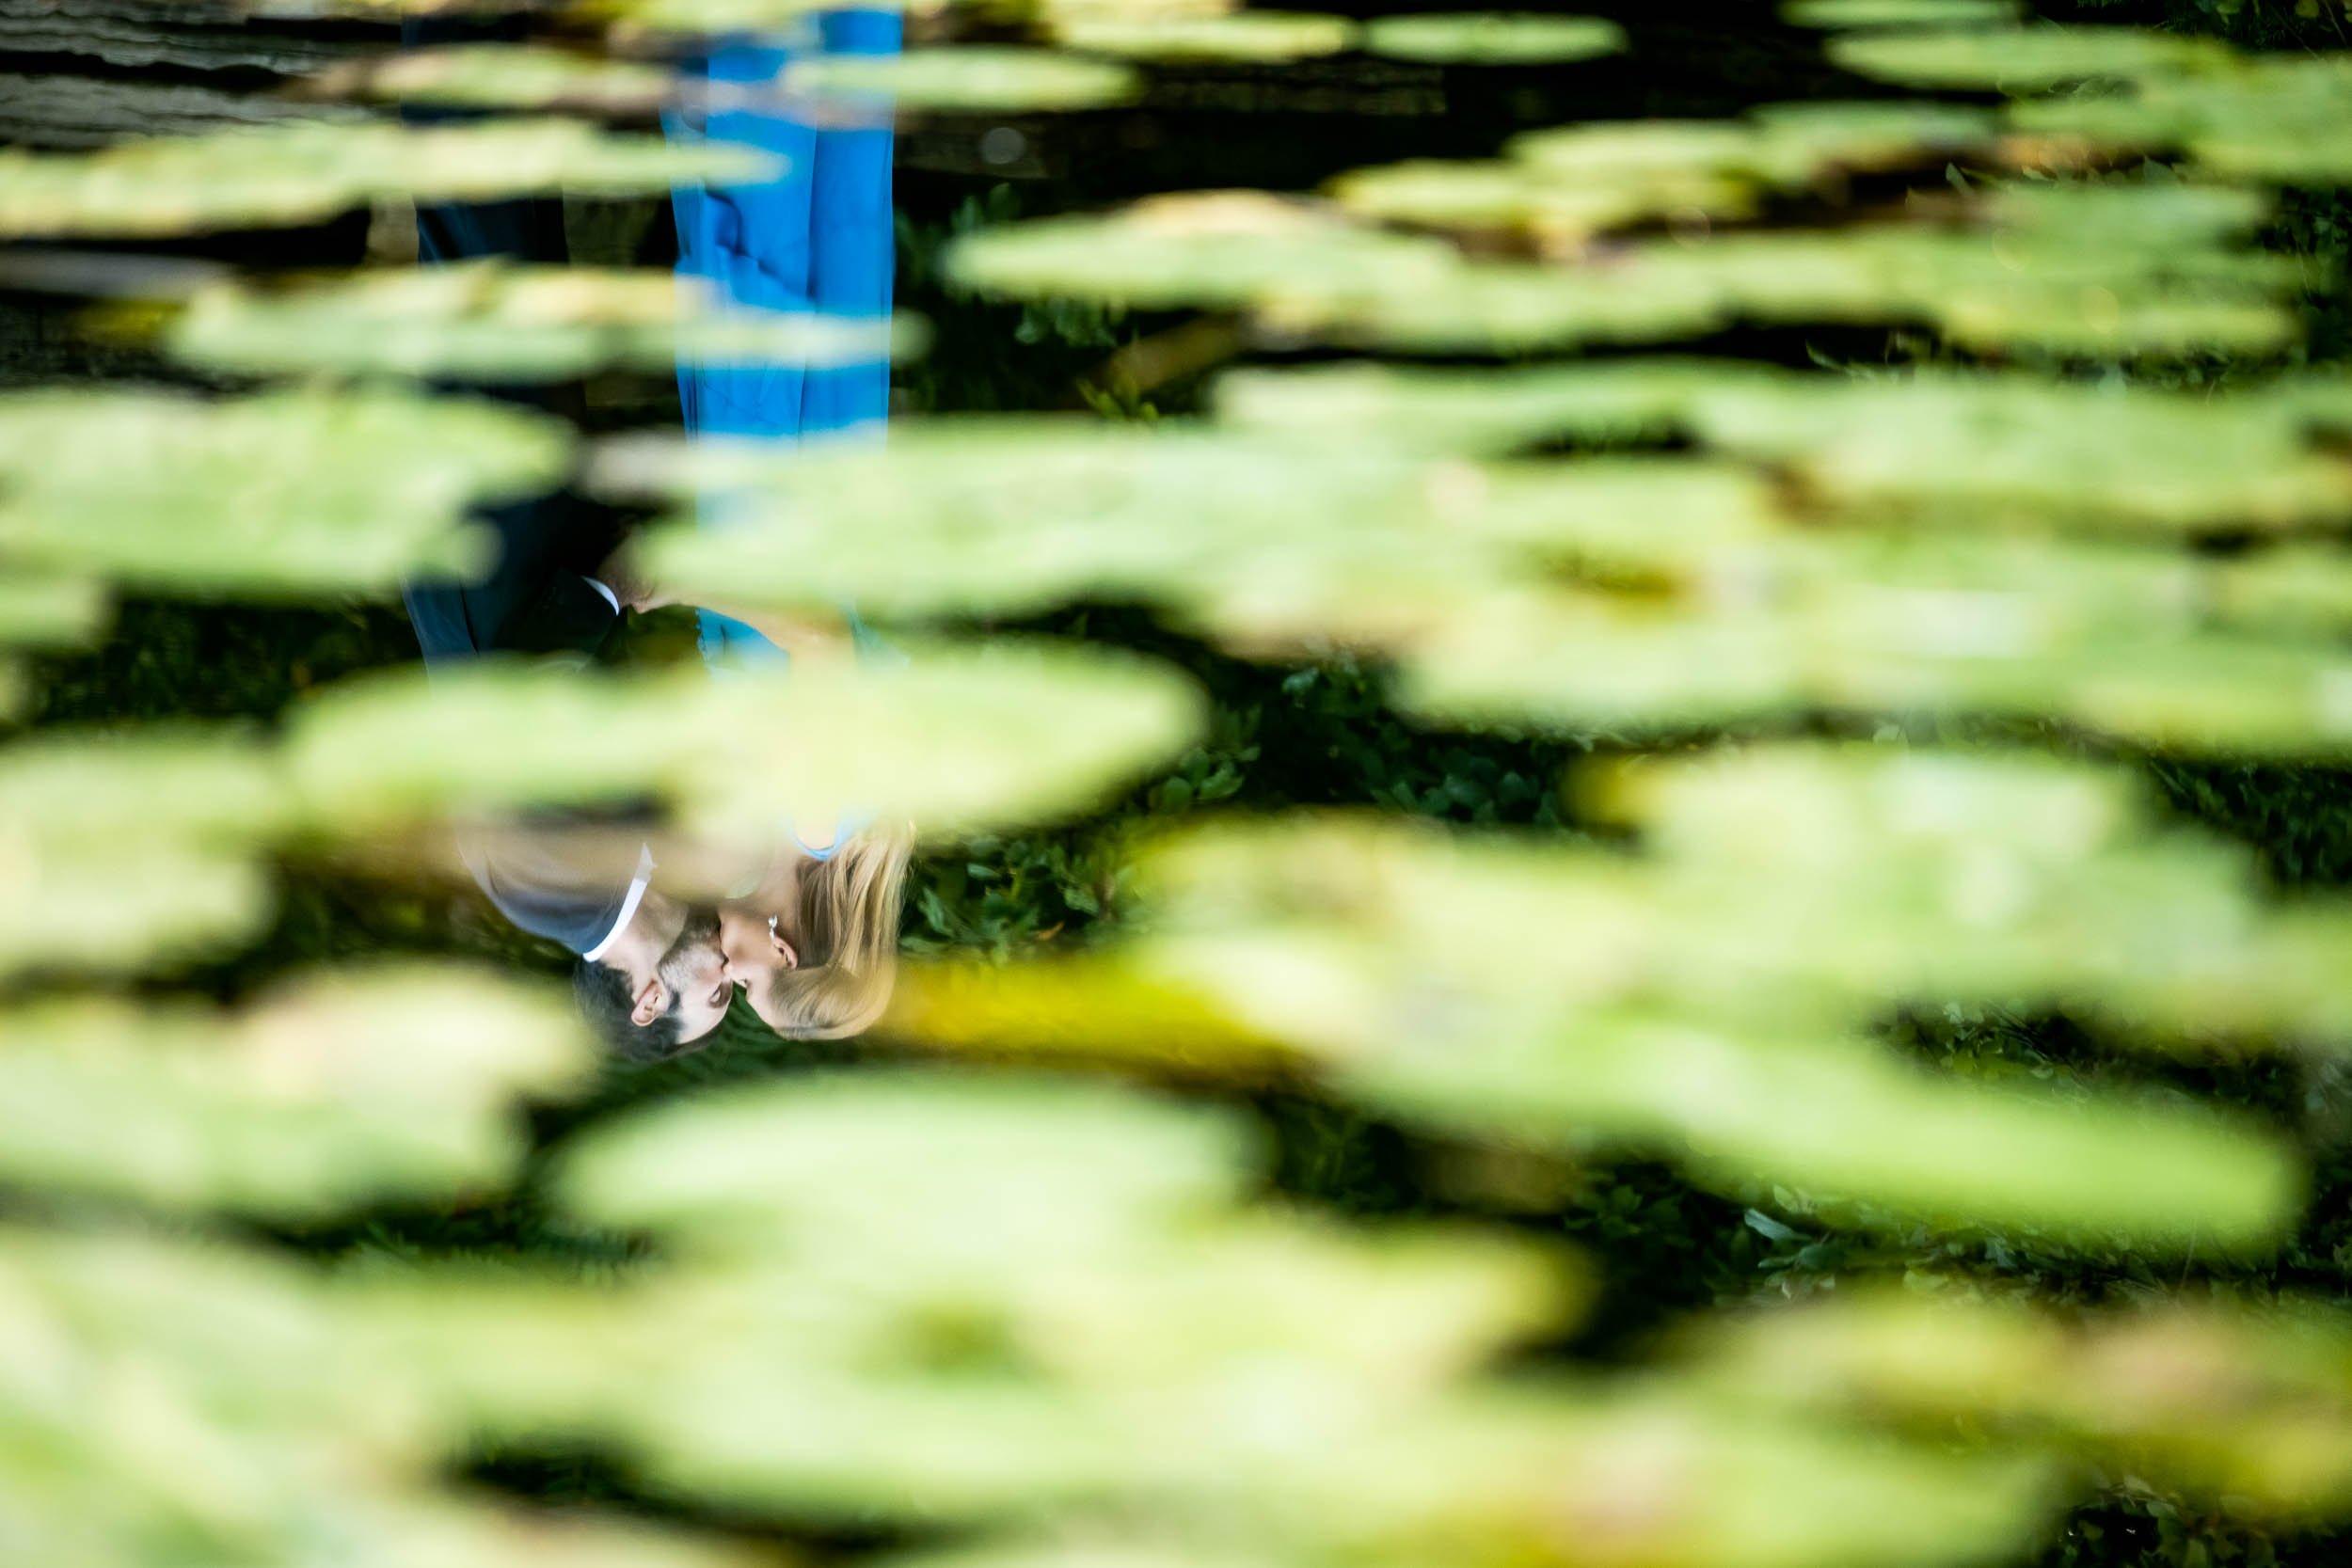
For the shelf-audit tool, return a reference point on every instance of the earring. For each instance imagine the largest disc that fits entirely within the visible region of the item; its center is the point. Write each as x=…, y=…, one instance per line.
x=772, y=925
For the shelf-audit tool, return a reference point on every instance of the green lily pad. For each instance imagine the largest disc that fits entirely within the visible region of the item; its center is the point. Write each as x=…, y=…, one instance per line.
x=952, y=740
x=498, y=322
x=300, y=173
x=343, y=1090
x=970, y=78
x=1493, y=38
x=1250, y=36
x=52, y=610
x=108, y=874
x=2026, y=59
x=2265, y=118
x=1899, y=13
x=2108, y=1383
x=505, y=76
x=1212, y=248
x=282, y=494
x=2076, y=272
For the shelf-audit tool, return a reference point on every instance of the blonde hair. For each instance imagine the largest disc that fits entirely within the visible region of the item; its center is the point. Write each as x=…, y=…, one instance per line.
x=849, y=946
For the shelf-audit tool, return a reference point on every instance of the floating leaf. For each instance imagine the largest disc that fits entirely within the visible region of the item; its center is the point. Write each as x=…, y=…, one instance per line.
x=1251, y=36
x=295, y=174
x=504, y=76
x=1899, y=13
x=952, y=740
x=2051, y=280
x=496, y=322
x=1493, y=38
x=50, y=610
x=340, y=1091
x=2265, y=118
x=2248, y=1403
x=104, y=871
x=2026, y=59
x=970, y=78
x=281, y=493
x=1203, y=248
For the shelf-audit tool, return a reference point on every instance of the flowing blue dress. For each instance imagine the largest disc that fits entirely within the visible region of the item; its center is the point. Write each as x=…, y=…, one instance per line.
x=819, y=238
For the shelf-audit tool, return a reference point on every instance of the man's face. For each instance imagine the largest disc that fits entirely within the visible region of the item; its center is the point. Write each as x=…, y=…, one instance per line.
x=695, y=970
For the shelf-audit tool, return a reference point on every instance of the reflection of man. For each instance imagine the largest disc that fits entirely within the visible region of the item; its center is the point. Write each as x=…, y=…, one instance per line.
x=650, y=976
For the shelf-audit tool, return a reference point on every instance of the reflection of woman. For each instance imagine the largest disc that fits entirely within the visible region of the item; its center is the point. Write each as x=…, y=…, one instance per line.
x=814, y=946
x=810, y=938
x=814, y=941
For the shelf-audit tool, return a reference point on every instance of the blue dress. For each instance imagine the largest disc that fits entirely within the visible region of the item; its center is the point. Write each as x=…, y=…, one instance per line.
x=820, y=238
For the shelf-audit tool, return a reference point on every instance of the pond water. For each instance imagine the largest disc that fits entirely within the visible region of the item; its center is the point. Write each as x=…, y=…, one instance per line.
x=785, y=772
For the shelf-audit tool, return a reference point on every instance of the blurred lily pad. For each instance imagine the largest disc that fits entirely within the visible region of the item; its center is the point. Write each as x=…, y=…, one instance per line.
x=1493, y=38
x=496, y=322
x=1250, y=35
x=504, y=76
x=341, y=1090
x=282, y=494
x=2265, y=118
x=970, y=78
x=1899, y=13
x=105, y=872
x=2124, y=1386
x=52, y=609
x=2026, y=59
x=953, y=739
x=2078, y=278
x=293, y=174
x=1212, y=248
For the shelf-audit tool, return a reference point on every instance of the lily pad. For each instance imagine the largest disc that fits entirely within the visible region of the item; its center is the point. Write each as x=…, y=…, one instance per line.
x=343, y=1090
x=1899, y=13
x=2027, y=59
x=1256, y=37
x=953, y=739
x=105, y=873
x=2282, y=119
x=300, y=173
x=1493, y=38
x=498, y=322
x=970, y=78
x=283, y=494
x=505, y=76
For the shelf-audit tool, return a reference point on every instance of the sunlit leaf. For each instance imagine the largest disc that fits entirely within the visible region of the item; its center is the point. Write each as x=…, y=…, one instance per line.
x=345, y=1089
x=970, y=78
x=51, y=610
x=2251, y=1404
x=2273, y=118
x=105, y=871
x=295, y=174
x=1493, y=38
x=2023, y=59
x=1254, y=36
x=502, y=323
x=505, y=76
x=922, y=1157
x=280, y=494
x=951, y=739
x=1899, y=13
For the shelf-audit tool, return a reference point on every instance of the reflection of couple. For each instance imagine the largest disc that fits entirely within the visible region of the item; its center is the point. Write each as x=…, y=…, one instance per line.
x=806, y=933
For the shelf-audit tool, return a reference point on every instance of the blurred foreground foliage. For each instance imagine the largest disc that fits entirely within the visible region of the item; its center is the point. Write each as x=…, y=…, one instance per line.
x=1862, y=843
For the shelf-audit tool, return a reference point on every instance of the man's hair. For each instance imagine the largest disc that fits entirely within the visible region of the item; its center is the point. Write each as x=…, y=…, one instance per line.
x=849, y=947
x=605, y=1000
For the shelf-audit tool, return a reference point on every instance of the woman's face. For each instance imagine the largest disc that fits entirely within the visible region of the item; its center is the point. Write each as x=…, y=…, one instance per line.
x=756, y=949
